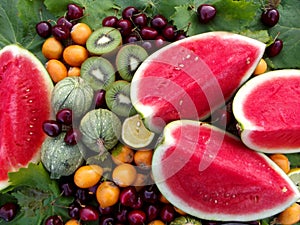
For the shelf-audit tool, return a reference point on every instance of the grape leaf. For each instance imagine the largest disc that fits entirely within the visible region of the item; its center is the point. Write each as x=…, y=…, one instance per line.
x=288, y=29
x=37, y=195
x=17, y=22
x=33, y=176
x=234, y=16
x=95, y=11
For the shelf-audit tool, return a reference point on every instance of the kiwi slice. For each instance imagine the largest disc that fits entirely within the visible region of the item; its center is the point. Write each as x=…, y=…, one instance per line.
x=98, y=72
x=104, y=40
x=118, y=100
x=128, y=59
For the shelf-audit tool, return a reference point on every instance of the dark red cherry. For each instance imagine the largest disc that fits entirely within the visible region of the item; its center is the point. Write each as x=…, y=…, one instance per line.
x=74, y=12
x=152, y=212
x=129, y=12
x=148, y=33
x=169, y=32
x=106, y=220
x=167, y=213
x=110, y=21
x=99, y=99
x=73, y=210
x=64, y=116
x=275, y=48
x=180, y=35
x=140, y=20
x=270, y=17
x=121, y=214
x=88, y=213
x=158, y=22
x=131, y=38
x=52, y=128
x=63, y=21
x=206, y=13
x=125, y=26
x=128, y=196
x=44, y=29
x=54, y=220
x=72, y=136
x=137, y=217
x=60, y=32
x=8, y=211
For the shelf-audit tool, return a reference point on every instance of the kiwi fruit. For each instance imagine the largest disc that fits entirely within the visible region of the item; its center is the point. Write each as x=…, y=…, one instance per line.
x=104, y=40
x=128, y=59
x=98, y=72
x=118, y=100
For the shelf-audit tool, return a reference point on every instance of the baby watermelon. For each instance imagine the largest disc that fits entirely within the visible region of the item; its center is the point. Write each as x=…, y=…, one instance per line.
x=267, y=108
x=212, y=175
x=25, y=90
x=190, y=78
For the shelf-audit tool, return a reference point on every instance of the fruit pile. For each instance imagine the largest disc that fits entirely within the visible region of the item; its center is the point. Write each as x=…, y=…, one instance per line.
x=92, y=72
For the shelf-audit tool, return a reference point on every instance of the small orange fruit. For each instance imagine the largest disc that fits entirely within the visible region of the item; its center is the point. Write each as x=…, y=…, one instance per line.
x=56, y=69
x=80, y=33
x=75, y=55
x=52, y=48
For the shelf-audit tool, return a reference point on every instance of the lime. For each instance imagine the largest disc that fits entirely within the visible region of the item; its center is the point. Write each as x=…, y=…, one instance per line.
x=294, y=175
x=134, y=132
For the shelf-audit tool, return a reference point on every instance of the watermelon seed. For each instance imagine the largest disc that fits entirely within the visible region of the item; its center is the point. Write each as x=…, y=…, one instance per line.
x=181, y=65
x=196, y=58
x=188, y=56
x=284, y=189
x=248, y=61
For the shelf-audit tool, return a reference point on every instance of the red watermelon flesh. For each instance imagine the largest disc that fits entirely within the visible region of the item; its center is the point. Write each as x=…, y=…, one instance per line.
x=212, y=175
x=25, y=88
x=189, y=79
x=268, y=109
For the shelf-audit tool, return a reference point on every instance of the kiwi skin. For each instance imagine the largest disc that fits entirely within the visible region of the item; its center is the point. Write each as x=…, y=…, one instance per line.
x=118, y=100
x=98, y=72
x=104, y=40
x=128, y=58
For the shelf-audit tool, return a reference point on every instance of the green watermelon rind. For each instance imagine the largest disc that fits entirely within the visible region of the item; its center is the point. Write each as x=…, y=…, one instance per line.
x=147, y=111
x=18, y=50
x=168, y=140
x=245, y=125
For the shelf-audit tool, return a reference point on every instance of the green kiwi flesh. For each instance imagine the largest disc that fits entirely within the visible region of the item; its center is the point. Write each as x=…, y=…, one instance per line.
x=104, y=40
x=118, y=100
x=128, y=59
x=98, y=72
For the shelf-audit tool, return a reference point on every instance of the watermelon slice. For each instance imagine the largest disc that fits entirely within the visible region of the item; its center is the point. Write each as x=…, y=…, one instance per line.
x=190, y=78
x=25, y=90
x=212, y=175
x=267, y=108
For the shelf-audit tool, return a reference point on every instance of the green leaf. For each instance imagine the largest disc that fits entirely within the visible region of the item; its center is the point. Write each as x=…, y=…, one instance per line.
x=288, y=29
x=34, y=176
x=8, y=23
x=234, y=16
x=37, y=195
x=17, y=21
x=294, y=159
